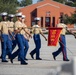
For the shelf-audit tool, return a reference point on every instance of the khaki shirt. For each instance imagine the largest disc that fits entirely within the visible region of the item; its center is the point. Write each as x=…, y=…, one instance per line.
x=4, y=27
x=22, y=31
x=62, y=25
x=11, y=26
x=19, y=25
x=36, y=29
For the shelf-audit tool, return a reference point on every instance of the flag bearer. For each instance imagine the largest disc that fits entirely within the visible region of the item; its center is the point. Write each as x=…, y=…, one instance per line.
x=62, y=42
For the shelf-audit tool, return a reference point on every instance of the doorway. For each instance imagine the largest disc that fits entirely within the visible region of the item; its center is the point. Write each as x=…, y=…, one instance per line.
x=47, y=21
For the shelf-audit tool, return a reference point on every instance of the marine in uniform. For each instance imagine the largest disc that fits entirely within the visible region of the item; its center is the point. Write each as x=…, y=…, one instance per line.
x=11, y=29
x=5, y=40
x=19, y=39
x=36, y=30
x=27, y=35
x=62, y=42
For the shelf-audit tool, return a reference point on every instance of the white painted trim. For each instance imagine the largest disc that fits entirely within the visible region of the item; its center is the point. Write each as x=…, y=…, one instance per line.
x=48, y=4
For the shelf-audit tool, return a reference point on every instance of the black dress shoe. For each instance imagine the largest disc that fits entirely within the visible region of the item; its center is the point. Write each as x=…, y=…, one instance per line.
x=8, y=57
x=65, y=59
x=26, y=59
x=0, y=57
x=24, y=63
x=54, y=56
x=19, y=60
x=4, y=61
x=11, y=60
x=38, y=59
x=31, y=56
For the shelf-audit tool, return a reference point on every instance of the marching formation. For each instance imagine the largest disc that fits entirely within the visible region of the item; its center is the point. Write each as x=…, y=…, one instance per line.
x=12, y=34
x=17, y=33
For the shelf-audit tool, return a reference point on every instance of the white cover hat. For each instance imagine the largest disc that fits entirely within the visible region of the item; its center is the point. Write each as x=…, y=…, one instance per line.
x=37, y=18
x=3, y=14
x=23, y=16
x=11, y=15
x=19, y=14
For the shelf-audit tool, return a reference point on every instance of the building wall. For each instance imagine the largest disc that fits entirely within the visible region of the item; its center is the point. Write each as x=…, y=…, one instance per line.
x=41, y=9
x=54, y=12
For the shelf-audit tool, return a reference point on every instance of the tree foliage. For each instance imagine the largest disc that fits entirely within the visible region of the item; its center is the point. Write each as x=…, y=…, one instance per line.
x=69, y=3
x=61, y=1
x=8, y=6
x=73, y=18
x=40, y=0
x=25, y=2
x=70, y=19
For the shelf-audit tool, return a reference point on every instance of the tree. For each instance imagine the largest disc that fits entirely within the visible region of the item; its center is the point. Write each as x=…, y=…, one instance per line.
x=25, y=2
x=39, y=0
x=69, y=3
x=73, y=0
x=73, y=17
x=9, y=6
x=69, y=19
x=61, y=1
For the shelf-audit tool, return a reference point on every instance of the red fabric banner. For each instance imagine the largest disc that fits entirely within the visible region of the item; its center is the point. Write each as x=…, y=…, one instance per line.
x=53, y=36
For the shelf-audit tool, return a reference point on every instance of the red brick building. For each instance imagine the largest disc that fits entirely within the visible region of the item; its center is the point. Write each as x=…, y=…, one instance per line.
x=48, y=10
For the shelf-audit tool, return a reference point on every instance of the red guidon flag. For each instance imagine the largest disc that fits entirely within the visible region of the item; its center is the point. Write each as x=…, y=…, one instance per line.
x=53, y=36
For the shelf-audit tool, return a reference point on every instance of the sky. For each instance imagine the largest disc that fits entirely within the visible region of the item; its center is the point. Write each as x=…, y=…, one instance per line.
x=34, y=1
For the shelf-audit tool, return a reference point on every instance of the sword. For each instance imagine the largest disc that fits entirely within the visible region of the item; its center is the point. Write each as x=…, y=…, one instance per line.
x=66, y=47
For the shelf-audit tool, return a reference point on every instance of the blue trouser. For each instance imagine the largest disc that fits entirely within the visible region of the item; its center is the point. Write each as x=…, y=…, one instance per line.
x=6, y=44
x=26, y=46
x=62, y=47
x=13, y=41
x=37, y=42
x=21, y=48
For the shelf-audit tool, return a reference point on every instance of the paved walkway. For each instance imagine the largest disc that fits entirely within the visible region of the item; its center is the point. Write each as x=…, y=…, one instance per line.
x=40, y=67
